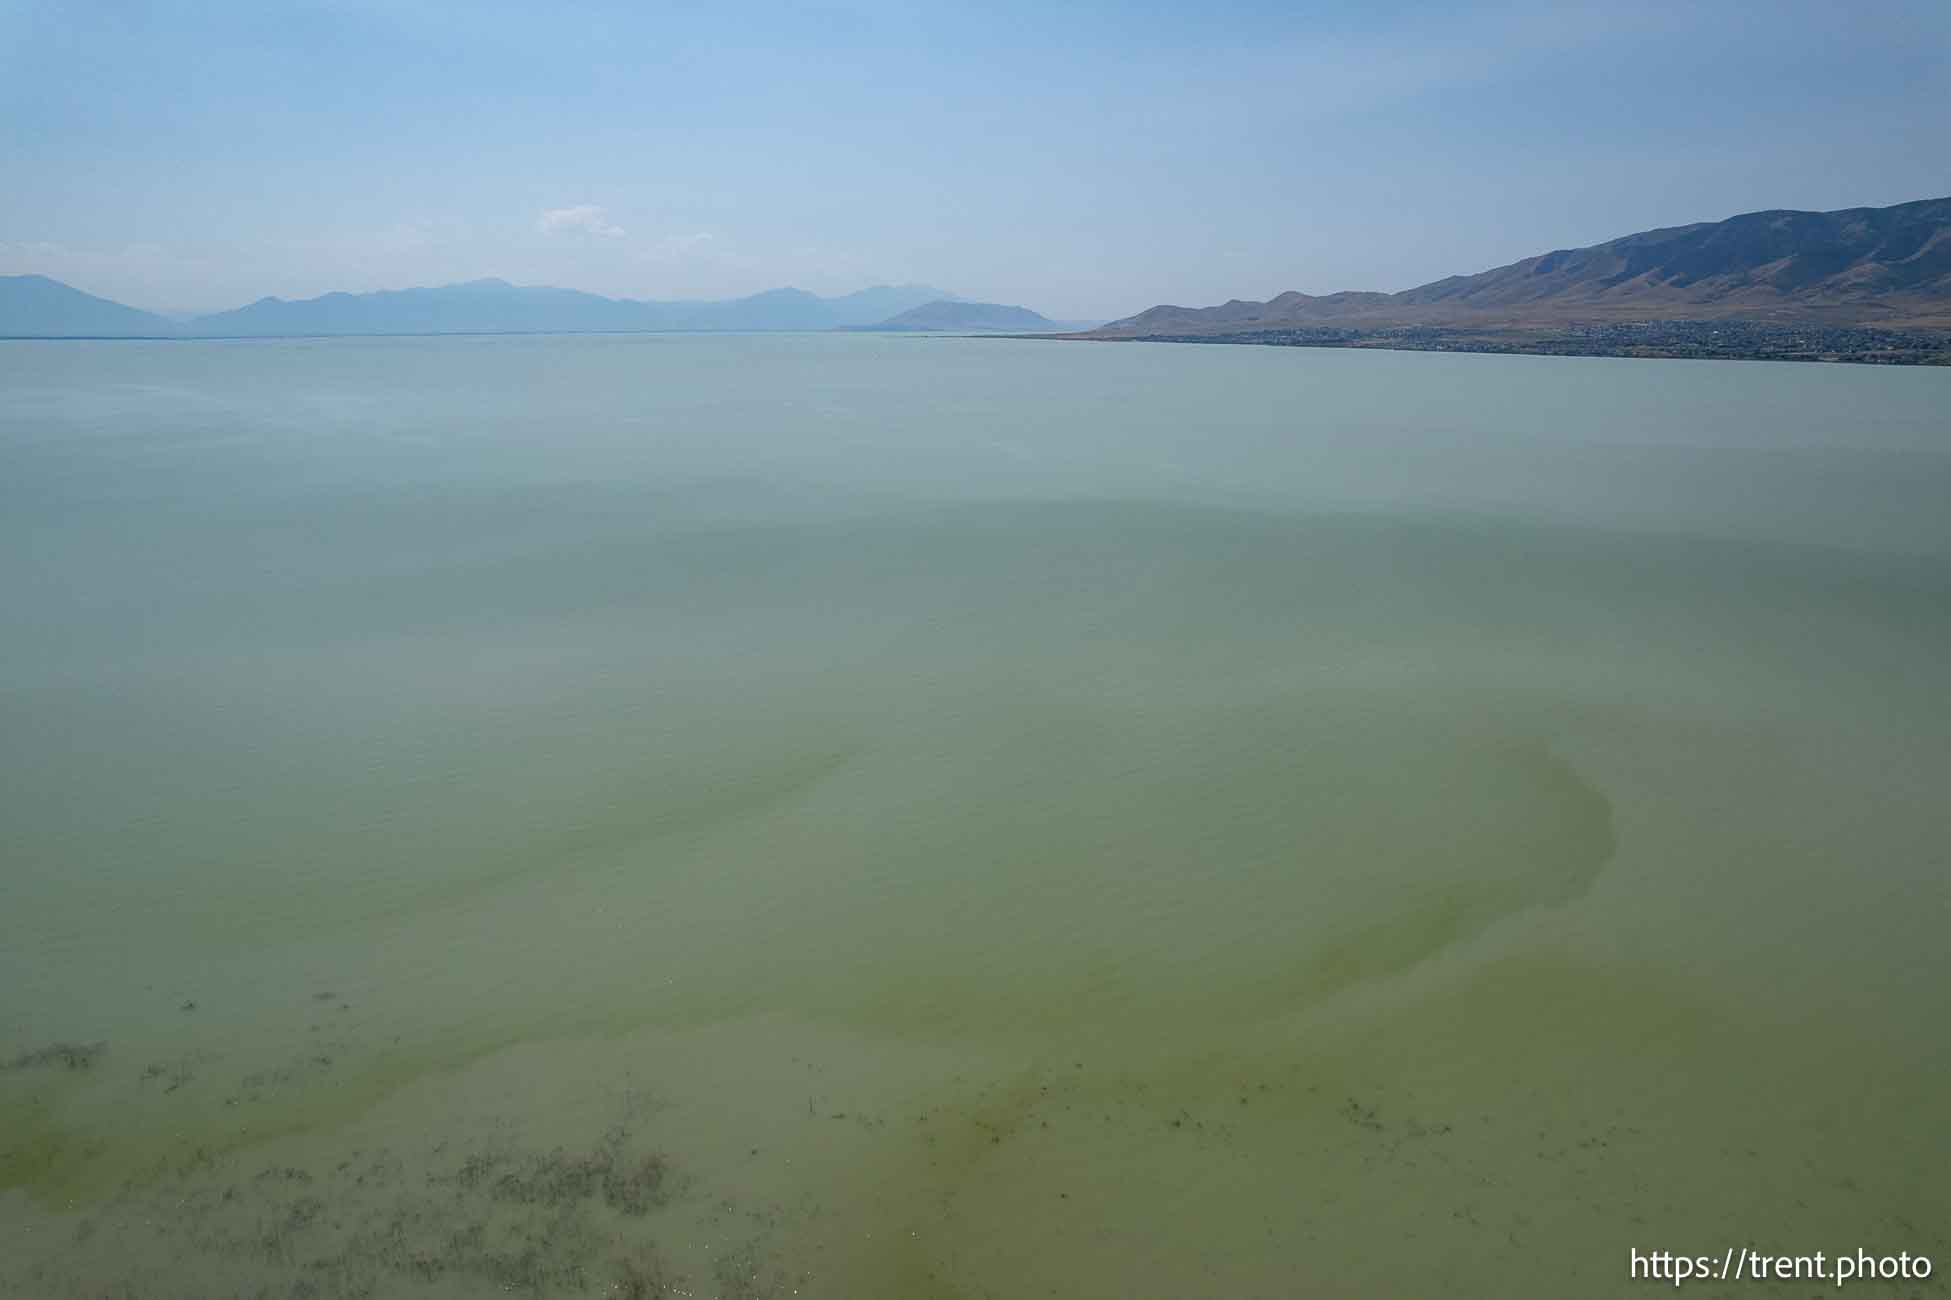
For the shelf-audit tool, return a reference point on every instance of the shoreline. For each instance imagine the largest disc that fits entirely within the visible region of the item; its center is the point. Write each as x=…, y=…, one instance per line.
x=1652, y=340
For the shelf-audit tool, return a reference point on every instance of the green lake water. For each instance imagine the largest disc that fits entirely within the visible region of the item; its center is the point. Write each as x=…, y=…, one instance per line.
x=855, y=817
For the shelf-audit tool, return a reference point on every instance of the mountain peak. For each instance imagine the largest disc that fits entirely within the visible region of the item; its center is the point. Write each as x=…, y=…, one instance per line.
x=34, y=306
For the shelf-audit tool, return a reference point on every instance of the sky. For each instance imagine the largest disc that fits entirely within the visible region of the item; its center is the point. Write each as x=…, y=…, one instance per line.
x=1085, y=159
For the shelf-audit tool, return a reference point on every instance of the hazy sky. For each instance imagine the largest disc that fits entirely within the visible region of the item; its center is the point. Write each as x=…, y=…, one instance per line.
x=1084, y=159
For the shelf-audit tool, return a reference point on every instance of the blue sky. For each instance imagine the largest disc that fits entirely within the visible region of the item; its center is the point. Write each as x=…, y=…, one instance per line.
x=1084, y=159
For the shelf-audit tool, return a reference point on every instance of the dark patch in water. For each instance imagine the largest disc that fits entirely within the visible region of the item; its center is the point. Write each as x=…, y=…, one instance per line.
x=66, y=1056
x=568, y=1220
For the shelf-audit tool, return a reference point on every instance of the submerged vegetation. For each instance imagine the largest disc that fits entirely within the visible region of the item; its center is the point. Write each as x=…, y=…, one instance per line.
x=63, y=1056
x=561, y=1221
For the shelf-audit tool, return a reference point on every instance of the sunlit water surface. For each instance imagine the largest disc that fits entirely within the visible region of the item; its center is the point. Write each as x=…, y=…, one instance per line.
x=868, y=817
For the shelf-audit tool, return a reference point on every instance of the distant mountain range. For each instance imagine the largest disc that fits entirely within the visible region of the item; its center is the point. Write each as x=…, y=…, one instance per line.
x=33, y=306
x=1885, y=267
x=1778, y=273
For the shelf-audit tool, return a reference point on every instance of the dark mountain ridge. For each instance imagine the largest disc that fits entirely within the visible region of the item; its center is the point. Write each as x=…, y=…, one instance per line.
x=1870, y=266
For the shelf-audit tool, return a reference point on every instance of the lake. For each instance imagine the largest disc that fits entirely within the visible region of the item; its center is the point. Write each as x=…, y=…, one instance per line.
x=873, y=816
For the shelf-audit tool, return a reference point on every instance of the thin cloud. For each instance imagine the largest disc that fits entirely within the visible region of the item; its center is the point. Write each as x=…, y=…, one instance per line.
x=586, y=217
x=677, y=248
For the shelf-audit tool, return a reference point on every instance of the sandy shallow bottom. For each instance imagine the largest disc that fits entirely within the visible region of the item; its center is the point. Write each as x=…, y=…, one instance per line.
x=1507, y=1115
x=1364, y=1157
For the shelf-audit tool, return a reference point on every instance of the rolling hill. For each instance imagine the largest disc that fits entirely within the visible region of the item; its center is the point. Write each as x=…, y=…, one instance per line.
x=952, y=316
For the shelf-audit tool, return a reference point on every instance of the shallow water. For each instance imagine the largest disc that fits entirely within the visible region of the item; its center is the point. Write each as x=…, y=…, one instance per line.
x=858, y=816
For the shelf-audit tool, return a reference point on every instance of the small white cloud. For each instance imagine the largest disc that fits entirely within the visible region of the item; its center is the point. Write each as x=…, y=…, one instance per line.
x=586, y=217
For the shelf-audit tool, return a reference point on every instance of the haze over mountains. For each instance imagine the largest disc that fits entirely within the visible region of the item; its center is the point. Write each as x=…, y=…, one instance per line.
x=1882, y=266
x=34, y=306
